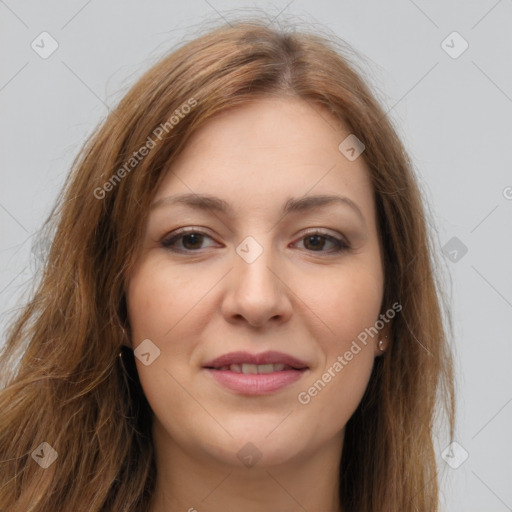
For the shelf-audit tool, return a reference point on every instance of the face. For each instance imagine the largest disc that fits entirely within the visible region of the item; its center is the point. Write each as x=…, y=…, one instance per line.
x=264, y=270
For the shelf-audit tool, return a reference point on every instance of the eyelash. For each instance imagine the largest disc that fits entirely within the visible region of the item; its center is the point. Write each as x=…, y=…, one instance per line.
x=340, y=245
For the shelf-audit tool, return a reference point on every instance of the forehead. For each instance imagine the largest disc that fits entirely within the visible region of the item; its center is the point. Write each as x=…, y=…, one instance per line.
x=262, y=152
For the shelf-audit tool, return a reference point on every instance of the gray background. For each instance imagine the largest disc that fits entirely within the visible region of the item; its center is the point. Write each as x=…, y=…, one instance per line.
x=454, y=115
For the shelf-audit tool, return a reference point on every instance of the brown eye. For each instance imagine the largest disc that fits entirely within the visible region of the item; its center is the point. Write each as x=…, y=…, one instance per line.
x=316, y=242
x=190, y=240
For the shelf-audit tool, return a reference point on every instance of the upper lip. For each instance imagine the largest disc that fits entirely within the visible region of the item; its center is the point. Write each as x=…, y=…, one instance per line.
x=270, y=357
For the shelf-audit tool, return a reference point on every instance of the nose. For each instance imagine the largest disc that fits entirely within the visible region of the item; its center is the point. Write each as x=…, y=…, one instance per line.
x=257, y=291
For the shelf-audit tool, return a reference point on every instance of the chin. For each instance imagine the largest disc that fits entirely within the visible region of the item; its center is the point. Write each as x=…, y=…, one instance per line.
x=263, y=453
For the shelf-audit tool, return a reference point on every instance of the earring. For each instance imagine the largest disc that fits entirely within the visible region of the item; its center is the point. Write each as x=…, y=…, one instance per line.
x=120, y=359
x=381, y=345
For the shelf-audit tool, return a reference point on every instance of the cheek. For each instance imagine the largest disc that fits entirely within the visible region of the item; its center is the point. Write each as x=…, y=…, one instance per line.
x=160, y=302
x=347, y=304
x=334, y=396
x=335, y=389
x=155, y=310
x=158, y=298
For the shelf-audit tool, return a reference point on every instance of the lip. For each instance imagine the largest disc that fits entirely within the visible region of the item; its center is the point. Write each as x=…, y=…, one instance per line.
x=269, y=357
x=256, y=384
x=260, y=384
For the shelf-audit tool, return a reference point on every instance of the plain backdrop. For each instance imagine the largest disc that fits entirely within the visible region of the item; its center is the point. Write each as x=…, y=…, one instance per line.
x=443, y=69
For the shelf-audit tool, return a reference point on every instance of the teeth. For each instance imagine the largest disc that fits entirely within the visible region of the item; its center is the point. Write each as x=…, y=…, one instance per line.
x=254, y=369
x=265, y=368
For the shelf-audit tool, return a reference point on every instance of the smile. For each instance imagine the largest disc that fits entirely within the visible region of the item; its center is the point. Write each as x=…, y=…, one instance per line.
x=255, y=369
x=255, y=374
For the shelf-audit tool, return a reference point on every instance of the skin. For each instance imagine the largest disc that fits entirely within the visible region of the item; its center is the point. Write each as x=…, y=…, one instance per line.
x=297, y=297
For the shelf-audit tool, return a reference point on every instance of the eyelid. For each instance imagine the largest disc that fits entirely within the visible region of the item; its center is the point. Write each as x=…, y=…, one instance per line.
x=324, y=232
x=181, y=232
x=338, y=239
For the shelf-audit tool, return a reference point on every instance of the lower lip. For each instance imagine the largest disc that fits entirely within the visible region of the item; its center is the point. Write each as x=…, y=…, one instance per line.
x=256, y=384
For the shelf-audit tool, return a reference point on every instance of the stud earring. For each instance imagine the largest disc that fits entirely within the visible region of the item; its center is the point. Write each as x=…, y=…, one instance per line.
x=381, y=345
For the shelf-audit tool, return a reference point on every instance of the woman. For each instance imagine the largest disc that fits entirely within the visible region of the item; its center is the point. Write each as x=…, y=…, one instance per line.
x=239, y=308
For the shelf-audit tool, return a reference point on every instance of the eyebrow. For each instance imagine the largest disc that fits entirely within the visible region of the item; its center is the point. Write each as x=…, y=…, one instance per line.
x=292, y=205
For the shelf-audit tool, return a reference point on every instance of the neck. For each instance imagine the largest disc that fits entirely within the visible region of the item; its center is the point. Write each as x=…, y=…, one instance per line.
x=191, y=481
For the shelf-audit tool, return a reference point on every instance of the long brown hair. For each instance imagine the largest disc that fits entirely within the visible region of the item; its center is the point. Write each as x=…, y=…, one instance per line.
x=63, y=382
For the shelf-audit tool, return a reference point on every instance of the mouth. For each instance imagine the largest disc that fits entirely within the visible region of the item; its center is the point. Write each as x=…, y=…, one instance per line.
x=256, y=369
x=256, y=374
